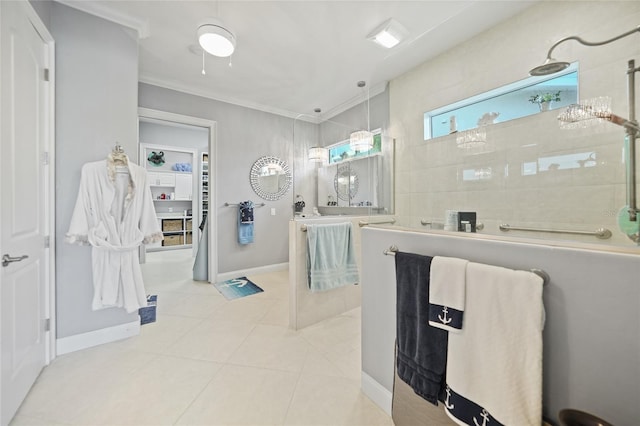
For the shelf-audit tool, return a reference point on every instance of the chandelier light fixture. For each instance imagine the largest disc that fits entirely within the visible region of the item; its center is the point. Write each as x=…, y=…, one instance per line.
x=362, y=140
x=318, y=154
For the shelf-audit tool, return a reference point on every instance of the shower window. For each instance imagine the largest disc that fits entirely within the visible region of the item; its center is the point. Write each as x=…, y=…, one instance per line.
x=520, y=99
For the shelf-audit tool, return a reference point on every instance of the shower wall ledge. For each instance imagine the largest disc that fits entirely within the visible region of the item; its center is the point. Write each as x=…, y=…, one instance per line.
x=631, y=250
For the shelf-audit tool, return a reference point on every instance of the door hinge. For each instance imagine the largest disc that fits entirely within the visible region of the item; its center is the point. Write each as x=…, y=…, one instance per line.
x=46, y=74
x=47, y=324
x=45, y=158
x=47, y=241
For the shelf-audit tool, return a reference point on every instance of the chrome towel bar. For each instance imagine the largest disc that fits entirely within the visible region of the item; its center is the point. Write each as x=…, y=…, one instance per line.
x=602, y=233
x=365, y=223
x=392, y=250
x=362, y=223
x=236, y=205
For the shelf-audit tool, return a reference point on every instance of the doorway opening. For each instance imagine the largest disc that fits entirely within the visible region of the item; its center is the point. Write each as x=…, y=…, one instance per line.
x=178, y=152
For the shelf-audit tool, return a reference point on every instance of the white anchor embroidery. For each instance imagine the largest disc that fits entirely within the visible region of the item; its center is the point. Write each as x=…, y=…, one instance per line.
x=444, y=320
x=446, y=401
x=485, y=417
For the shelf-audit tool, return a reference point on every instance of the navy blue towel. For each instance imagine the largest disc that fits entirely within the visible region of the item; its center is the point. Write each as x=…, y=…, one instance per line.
x=421, y=349
x=246, y=212
x=245, y=222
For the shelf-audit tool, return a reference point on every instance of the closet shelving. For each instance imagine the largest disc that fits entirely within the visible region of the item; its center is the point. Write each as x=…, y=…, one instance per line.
x=204, y=185
x=172, y=191
x=176, y=229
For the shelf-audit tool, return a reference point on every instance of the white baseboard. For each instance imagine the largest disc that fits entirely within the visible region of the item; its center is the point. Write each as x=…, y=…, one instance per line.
x=252, y=271
x=97, y=337
x=380, y=395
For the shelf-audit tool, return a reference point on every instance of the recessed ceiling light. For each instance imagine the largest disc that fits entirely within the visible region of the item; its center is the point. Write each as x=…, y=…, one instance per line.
x=388, y=34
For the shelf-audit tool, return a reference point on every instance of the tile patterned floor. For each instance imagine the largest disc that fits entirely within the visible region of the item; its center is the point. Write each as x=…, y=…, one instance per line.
x=209, y=361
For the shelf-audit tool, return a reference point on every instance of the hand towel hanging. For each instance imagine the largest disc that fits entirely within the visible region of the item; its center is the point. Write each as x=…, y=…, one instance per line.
x=245, y=222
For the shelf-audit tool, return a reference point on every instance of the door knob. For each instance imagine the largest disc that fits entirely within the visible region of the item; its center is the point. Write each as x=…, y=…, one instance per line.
x=6, y=259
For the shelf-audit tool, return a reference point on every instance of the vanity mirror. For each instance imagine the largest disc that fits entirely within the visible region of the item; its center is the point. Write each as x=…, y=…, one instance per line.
x=346, y=182
x=270, y=178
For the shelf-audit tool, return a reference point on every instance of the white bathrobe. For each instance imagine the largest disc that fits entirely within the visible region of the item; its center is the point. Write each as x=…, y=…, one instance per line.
x=114, y=214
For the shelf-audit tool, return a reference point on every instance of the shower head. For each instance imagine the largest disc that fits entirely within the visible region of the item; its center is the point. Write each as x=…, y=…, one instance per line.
x=550, y=66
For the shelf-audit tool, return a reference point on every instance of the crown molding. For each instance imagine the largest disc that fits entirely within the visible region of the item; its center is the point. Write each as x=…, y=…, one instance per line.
x=104, y=12
x=172, y=85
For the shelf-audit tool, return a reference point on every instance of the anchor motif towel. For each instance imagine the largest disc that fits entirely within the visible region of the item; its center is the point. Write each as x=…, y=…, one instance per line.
x=422, y=350
x=447, y=293
x=494, y=365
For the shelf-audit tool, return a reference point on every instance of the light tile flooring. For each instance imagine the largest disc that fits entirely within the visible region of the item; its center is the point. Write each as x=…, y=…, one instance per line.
x=209, y=361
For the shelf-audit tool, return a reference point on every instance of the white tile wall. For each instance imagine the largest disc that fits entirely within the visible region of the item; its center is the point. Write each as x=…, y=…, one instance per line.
x=429, y=173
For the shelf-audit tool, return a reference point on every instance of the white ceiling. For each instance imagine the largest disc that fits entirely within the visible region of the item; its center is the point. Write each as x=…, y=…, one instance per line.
x=293, y=56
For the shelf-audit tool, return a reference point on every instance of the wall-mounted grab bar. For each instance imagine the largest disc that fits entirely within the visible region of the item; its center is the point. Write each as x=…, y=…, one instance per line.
x=362, y=223
x=382, y=222
x=392, y=250
x=602, y=233
x=424, y=222
x=236, y=205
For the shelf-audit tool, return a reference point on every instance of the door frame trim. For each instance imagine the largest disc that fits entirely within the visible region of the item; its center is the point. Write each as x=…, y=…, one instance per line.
x=211, y=126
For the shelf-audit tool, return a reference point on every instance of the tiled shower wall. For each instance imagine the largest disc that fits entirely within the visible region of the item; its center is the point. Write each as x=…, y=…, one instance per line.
x=430, y=173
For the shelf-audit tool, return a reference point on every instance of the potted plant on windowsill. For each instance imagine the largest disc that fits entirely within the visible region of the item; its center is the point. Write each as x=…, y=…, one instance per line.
x=544, y=99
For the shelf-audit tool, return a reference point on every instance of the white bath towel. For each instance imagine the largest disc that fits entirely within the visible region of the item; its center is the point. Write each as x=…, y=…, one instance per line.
x=447, y=293
x=494, y=366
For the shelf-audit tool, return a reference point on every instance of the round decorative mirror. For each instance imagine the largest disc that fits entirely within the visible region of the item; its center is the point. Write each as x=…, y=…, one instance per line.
x=270, y=178
x=346, y=183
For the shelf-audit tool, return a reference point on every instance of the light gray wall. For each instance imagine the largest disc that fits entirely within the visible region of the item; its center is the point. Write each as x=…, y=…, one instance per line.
x=592, y=304
x=43, y=9
x=96, y=105
x=243, y=136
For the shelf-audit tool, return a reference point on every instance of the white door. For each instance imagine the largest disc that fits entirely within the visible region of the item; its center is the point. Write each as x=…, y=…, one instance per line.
x=23, y=274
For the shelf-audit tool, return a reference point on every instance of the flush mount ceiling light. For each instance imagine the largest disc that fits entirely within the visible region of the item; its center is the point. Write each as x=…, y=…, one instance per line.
x=388, y=34
x=216, y=40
